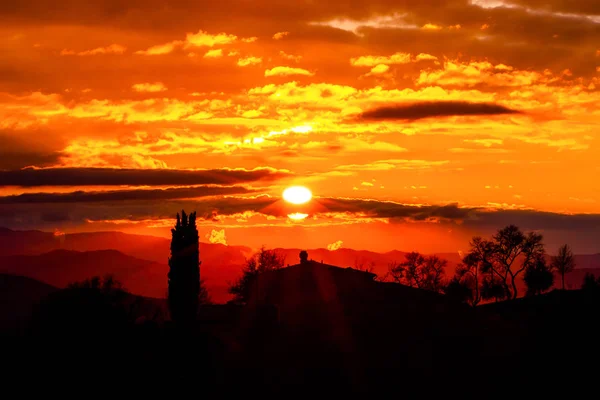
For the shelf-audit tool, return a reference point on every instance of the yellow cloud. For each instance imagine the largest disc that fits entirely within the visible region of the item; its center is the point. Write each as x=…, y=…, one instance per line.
x=432, y=27
x=160, y=49
x=425, y=56
x=383, y=165
x=286, y=71
x=246, y=61
x=372, y=61
x=199, y=39
x=112, y=49
x=216, y=53
x=290, y=56
x=251, y=113
x=469, y=74
x=205, y=39
x=217, y=237
x=250, y=39
x=280, y=35
x=335, y=245
x=149, y=87
x=379, y=69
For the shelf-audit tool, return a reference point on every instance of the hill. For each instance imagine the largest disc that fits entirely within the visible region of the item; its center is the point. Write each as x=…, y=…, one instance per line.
x=18, y=296
x=140, y=261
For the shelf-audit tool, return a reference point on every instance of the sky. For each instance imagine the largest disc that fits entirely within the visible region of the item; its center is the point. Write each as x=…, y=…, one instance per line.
x=415, y=124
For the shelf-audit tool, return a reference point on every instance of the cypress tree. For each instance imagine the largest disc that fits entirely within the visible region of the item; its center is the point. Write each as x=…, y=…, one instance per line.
x=184, y=270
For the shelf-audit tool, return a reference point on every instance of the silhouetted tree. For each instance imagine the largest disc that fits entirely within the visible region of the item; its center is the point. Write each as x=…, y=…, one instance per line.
x=538, y=277
x=184, y=270
x=263, y=261
x=459, y=290
x=95, y=306
x=108, y=285
x=590, y=283
x=476, y=262
x=506, y=256
x=423, y=272
x=563, y=262
x=364, y=266
x=493, y=288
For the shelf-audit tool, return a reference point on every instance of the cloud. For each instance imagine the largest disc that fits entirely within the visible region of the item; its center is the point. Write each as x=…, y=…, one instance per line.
x=383, y=165
x=454, y=73
x=199, y=39
x=149, y=87
x=372, y=61
x=335, y=245
x=205, y=39
x=290, y=56
x=250, y=39
x=217, y=237
x=393, y=210
x=379, y=69
x=280, y=35
x=425, y=56
x=112, y=49
x=432, y=27
x=123, y=195
x=30, y=177
x=434, y=109
x=394, y=59
x=160, y=49
x=246, y=61
x=215, y=53
x=286, y=71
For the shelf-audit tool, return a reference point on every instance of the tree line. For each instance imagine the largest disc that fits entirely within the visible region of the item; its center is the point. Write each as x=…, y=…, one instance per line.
x=490, y=269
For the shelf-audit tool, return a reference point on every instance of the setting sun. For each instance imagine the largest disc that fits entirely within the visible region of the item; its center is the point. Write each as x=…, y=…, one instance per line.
x=297, y=195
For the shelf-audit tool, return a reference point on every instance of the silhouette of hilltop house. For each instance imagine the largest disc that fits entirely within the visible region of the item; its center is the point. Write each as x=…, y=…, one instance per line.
x=313, y=294
x=316, y=311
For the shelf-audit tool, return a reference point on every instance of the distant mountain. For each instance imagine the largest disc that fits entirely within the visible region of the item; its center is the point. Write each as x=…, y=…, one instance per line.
x=140, y=261
x=61, y=267
x=141, y=246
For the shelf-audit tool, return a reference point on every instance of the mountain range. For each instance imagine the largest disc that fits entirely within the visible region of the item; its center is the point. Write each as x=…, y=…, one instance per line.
x=141, y=262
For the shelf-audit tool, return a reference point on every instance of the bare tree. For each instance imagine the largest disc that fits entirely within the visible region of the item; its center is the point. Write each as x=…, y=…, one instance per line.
x=364, y=266
x=476, y=262
x=504, y=257
x=263, y=261
x=563, y=262
x=423, y=272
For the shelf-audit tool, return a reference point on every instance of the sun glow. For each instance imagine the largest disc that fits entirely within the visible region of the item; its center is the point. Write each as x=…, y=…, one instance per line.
x=297, y=195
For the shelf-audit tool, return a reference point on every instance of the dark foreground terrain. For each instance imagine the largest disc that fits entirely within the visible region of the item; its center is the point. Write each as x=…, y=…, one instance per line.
x=357, y=344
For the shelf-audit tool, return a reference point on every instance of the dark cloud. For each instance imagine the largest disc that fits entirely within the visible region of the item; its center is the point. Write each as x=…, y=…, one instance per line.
x=123, y=195
x=537, y=220
x=151, y=177
x=384, y=209
x=581, y=230
x=19, y=149
x=434, y=109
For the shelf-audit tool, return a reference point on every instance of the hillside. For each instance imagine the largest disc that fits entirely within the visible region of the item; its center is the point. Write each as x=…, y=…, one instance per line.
x=18, y=296
x=140, y=261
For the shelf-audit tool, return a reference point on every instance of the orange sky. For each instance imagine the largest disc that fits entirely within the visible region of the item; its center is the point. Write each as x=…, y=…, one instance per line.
x=416, y=124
